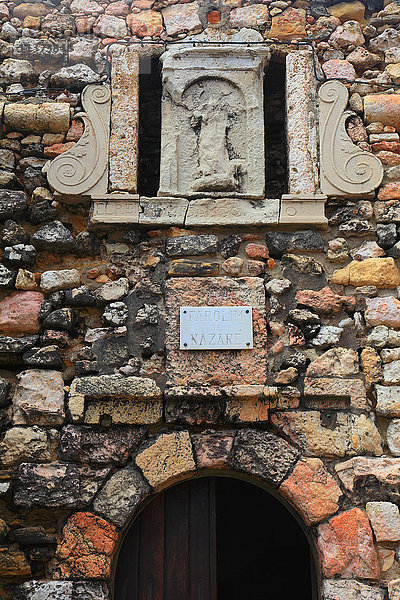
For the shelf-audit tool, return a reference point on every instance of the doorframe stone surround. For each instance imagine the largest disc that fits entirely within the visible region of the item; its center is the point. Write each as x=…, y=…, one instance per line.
x=87, y=552
x=316, y=167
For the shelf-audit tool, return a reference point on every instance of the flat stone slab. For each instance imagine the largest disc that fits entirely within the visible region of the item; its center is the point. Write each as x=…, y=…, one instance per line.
x=193, y=368
x=114, y=208
x=202, y=212
x=232, y=211
x=61, y=590
x=163, y=211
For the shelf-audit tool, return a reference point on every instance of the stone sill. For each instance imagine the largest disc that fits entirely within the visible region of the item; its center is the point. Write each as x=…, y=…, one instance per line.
x=206, y=212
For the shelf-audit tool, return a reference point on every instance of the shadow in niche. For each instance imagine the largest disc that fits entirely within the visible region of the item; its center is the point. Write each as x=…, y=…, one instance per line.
x=276, y=169
x=150, y=90
x=215, y=538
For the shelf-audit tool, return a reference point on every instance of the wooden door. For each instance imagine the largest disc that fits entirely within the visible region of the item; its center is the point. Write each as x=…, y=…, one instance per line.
x=172, y=547
x=212, y=538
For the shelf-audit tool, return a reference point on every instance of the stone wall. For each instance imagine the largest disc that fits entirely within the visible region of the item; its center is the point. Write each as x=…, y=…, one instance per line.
x=98, y=406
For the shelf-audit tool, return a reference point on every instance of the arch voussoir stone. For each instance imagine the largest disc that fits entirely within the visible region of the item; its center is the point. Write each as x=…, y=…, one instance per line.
x=263, y=454
x=121, y=494
x=312, y=490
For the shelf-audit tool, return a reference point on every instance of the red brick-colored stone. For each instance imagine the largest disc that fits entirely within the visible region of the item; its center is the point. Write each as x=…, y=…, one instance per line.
x=312, y=490
x=390, y=191
x=325, y=301
x=386, y=146
x=76, y=130
x=192, y=368
x=19, y=313
x=118, y=9
x=337, y=68
x=390, y=159
x=258, y=251
x=347, y=547
x=86, y=548
x=57, y=149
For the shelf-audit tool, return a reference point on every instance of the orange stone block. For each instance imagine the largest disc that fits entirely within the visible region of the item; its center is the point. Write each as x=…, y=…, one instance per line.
x=57, y=149
x=147, y=22
x=384, y=108
x=288, y=25
x=390, y=191
x=86, y=548
x=347, y=547
x=312, y=490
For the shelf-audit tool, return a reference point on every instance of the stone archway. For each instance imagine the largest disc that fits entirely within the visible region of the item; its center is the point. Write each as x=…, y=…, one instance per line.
x=171, y=457
x=91, y=540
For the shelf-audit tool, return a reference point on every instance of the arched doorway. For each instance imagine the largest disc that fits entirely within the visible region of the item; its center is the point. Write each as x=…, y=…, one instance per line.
x=215, y=538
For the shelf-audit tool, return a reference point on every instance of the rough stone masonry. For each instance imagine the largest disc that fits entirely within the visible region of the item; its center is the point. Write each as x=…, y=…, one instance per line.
x=99, y=408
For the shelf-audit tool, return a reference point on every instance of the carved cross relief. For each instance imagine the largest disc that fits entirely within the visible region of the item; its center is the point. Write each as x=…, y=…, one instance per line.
x=212, y=142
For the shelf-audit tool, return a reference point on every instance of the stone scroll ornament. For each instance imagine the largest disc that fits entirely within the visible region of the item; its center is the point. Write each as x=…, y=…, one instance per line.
x=346, y=169
x=83, y=170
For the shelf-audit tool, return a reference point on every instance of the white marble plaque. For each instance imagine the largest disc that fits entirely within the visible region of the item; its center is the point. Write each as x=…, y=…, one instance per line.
x=216, y=328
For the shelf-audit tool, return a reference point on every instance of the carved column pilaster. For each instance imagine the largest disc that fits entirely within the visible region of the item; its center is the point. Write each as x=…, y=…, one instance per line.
x=304, y=204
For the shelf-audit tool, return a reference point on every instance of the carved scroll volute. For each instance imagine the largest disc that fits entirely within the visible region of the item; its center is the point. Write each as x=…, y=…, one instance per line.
x=83, y=170
x=346, y=170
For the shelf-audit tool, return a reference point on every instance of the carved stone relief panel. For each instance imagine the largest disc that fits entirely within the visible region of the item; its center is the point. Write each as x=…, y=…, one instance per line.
x=212, y=138
x=346, y=169
x=83, y=170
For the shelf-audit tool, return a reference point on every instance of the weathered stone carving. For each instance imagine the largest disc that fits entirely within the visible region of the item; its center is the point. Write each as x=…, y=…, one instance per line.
x=212, y=122
x=346, y=170
x=114, y=208
x=83, y=170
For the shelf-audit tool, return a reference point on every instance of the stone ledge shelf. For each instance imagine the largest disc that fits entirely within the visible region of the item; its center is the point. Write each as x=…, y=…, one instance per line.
x=111, y=209
x=114, y=399
x=202, y=212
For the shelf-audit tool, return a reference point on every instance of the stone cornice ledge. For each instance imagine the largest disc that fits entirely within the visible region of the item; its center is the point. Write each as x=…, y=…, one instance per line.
x=200, y=212
x=296, y=210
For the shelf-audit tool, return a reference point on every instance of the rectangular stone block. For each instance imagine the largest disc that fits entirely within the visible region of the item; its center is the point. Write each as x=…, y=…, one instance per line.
x=232, y=211
x=324, y=392
x=115, y=209
x=163, y=211
x=116, y=399
x=123, y=412
x=124, y=119
x=193, y=368
x=388, y=400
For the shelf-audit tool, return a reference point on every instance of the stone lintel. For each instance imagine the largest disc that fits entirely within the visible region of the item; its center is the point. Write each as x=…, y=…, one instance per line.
x=202, y=212
x=232, y=211
x=303, y=209
x=239, y=392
